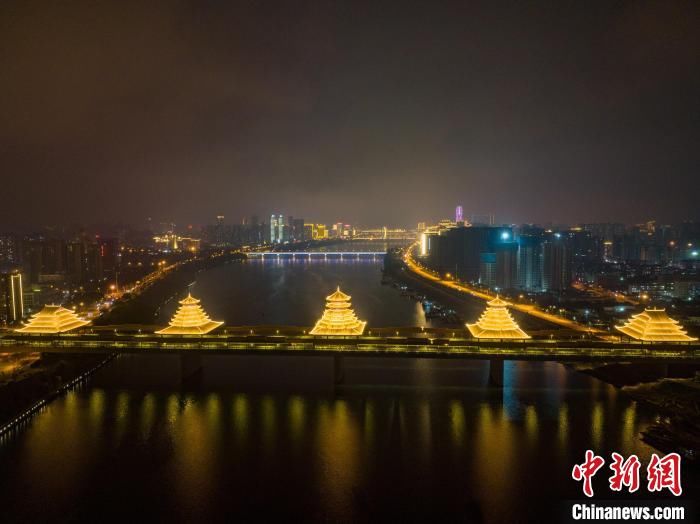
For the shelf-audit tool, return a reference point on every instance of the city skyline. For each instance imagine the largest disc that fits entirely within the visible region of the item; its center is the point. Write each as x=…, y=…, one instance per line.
x=576, y=113
x=349, y=261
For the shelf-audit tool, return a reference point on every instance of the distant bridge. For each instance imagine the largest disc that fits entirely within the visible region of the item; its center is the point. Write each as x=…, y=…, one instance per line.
x=350, y=255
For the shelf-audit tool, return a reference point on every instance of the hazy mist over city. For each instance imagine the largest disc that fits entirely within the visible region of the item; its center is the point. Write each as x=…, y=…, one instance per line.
x=349, y=261
x=368, y=112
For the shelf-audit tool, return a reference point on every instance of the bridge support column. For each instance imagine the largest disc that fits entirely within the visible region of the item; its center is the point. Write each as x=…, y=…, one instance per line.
x=338, y=370
x=496, y=373
x=662, y=370
x=191, y=370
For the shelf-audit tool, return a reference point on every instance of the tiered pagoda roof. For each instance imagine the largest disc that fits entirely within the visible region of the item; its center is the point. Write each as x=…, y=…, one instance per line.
x=654, y=325
x=496, y=322
x=190, y=319
x=338, y=318
x=53, y=319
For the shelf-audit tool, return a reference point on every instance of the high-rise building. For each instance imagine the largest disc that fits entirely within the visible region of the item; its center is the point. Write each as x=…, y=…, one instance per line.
x=9, y=250
x=459, y=215
x=277, y=229
x=474, y=254
x=556, y=263
x=530, y=259
x=11, y=296
x=298, y=230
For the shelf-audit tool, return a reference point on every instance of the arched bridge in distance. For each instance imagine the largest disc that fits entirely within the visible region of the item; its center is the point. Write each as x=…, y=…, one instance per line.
x=317, y=255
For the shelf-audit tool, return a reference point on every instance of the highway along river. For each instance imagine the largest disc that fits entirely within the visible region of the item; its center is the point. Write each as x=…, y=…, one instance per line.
x=411, y=440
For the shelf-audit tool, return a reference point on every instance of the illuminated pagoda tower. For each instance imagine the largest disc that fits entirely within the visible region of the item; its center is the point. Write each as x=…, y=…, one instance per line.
x=190, y=319
x=53, y=319
x=496, y=322
x=654, y=325
x=338, y=318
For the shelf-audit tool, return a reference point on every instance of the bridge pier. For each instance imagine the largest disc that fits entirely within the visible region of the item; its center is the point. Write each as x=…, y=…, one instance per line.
x=338, y=370
x=191, y=370
x=496, y=373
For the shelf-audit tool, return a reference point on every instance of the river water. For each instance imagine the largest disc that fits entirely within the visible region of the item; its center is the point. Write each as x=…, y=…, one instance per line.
x=404, y=440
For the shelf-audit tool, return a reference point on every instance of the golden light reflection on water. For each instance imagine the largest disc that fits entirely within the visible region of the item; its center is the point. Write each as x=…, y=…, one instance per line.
x=531, y=423
x=172, y=409
x=269, y=424
x=597, y=425
x=494, y=450
x=338, y=465
x=196, y=447
x=563, y=433
x=337, y=443
x=121, y=414
x=96, y=412
x=629, y=431
x=241, y=411
x=426, y=435
x=296, y=409
x=458, y=423
x=148, y=413
x=60, y=442
x=370, y=424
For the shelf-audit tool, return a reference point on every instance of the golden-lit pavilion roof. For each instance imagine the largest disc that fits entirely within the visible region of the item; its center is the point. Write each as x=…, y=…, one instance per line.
x=338, y=318
x=338, y=296
x=496, y=322
x=53, y=319
x=654, y=325
x=190, y=319
x=497, y=302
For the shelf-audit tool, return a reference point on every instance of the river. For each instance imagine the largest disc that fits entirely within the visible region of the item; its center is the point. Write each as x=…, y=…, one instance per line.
x=412, y=440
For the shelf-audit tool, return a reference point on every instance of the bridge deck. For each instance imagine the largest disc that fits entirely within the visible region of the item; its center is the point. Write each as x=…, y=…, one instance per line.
x=362, y=346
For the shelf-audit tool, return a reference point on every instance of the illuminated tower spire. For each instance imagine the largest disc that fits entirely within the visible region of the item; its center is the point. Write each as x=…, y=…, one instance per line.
x=53, y=319
x=338, y=318
x=190, y=319
x=496, y=322
x=654, y=325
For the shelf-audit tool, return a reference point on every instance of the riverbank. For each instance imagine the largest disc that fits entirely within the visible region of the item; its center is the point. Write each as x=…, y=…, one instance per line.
x=39, y=378
x=468, y=306
x=678, y=401
x=143, y=308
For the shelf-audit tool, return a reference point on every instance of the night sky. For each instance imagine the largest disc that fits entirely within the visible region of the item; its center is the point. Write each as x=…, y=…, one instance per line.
x=368, y=112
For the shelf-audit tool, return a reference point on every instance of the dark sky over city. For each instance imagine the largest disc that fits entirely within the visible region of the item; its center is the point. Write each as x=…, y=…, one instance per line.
x=368, y=112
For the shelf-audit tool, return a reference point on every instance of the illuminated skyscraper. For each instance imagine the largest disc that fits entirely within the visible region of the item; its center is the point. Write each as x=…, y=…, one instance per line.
x=276, y=229
x=11, y=293
x=459, y=216
x=338, y=318
x=654, y=325
x=496, y=322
